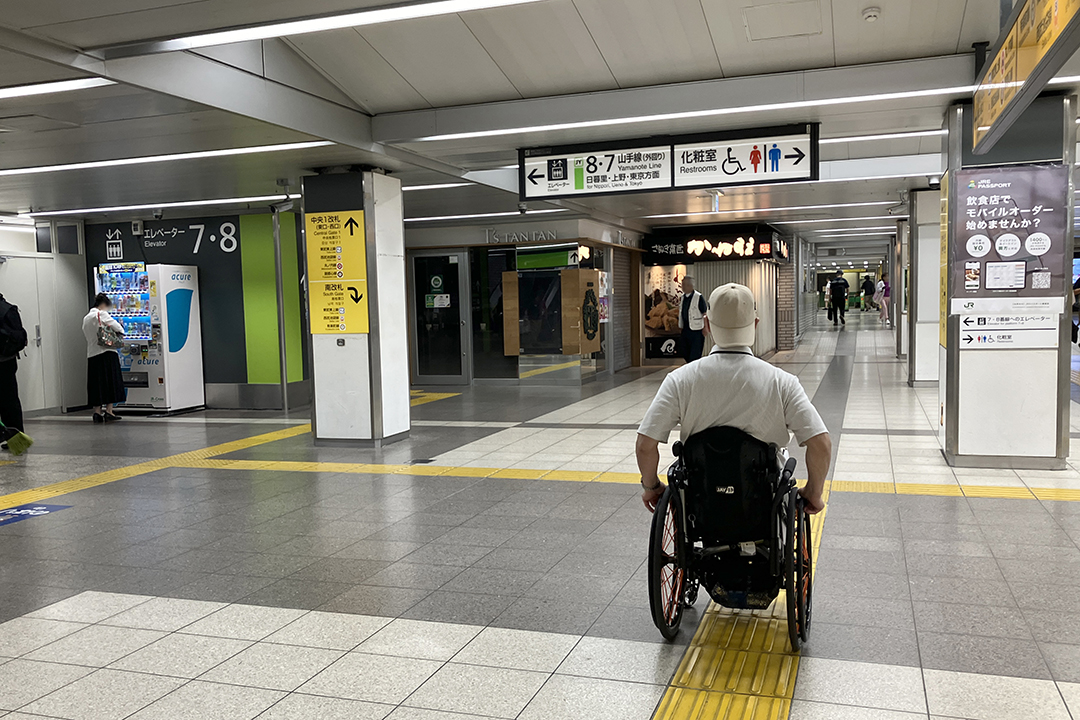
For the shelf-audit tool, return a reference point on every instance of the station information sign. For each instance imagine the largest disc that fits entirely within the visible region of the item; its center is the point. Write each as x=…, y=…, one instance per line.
x=337, y=272
x=1039, y=38
x=745, y=157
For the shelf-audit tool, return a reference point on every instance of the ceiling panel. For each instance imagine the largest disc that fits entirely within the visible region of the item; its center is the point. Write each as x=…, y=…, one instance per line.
x=92, y=24
x=905, y=29
x=361, y=72
x=980, y=24
x=649, y=42
x=741, y=56
x=442, y=60
x=21, y=70
x=543, y=48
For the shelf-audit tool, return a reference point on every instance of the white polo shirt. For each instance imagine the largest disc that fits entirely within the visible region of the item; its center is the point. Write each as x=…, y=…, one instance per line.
x=733, y=388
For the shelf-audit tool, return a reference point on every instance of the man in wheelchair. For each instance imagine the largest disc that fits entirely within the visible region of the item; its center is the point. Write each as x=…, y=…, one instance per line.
x=732, y=519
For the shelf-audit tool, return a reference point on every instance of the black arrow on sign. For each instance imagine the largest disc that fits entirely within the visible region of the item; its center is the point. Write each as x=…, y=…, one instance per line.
x=967, y=339
x=351, y=224
x=799, y=155
x=355, y=294
x=967, y=321
x=533, y=176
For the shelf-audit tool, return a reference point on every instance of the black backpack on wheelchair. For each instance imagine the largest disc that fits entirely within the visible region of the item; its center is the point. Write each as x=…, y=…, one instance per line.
x=731, y=520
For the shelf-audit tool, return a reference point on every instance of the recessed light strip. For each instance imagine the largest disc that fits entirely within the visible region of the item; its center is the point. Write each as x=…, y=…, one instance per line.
x=53, y=87
x=319, y=24
x=165, y=206
x=149, y=159
x=713, y=112
x=475, y=216
x=717, y=112
x=749, y=211
x=866, y=235
x=885, y=136
x=840, y=219
x=436, y=186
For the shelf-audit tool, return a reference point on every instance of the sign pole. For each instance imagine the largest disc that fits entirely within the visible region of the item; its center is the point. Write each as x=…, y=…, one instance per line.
x=283, y=364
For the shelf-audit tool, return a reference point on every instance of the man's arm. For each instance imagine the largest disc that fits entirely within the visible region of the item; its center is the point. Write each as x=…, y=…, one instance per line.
x=648, y=458
x=818, y=459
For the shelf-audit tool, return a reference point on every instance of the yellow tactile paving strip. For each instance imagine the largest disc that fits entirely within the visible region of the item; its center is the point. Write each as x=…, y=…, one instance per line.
x=738, y=665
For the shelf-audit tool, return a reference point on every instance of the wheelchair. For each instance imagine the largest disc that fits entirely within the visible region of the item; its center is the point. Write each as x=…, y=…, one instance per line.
x=731, y=520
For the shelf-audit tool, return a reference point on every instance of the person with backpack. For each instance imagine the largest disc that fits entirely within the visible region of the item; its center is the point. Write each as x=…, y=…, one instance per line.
x=104, y=379
x=13, y=340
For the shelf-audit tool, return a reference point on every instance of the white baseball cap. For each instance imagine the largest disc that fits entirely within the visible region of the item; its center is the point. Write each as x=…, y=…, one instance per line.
x=732, y=316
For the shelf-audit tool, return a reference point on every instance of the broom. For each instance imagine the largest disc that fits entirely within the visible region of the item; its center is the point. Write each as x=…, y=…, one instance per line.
x=17, y=442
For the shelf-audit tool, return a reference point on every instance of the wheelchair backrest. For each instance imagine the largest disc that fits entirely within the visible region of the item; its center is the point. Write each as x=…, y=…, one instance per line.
x=730, y=480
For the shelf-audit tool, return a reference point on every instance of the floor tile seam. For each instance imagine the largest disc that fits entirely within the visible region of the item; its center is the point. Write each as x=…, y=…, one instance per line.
x=1016, y=601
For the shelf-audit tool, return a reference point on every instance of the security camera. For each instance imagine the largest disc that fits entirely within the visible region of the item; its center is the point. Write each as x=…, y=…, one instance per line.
x=158, y=214
x=523, y=208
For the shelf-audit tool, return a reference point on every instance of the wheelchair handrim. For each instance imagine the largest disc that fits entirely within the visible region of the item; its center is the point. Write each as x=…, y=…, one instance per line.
x=671, y=574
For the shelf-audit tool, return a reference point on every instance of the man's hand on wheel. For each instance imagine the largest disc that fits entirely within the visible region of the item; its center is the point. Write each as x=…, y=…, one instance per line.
x=651, y=497
x=813, y=502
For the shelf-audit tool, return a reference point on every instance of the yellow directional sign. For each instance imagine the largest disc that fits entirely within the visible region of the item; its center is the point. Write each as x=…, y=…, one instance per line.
x=337, y=272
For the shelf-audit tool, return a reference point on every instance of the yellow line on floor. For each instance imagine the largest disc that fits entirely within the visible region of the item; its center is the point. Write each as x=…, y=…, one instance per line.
x=423, y=397
x=549, y=368
x=103, y=478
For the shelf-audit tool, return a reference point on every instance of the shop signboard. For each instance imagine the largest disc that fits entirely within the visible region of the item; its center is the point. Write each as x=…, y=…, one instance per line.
x=1037, y=40
x=1008, y=256
x=787, y=153
x=721, y=244
x=337, y=272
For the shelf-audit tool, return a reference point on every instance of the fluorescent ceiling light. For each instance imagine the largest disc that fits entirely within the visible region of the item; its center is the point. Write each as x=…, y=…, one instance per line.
x=53, y=87
x=886, y=136
x=848, y=230
x=437, y=186
x=15, y=220
x=164, y=206
x=333, y=22
x=879, y=234
x=146, y=160
x=4, y=227
x=841, y=219
x=714, y=112
x=770, y=209
x=472, y=216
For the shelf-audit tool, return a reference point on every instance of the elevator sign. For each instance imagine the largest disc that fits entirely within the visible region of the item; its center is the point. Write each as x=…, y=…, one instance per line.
x=337, y=272
x=787, y=153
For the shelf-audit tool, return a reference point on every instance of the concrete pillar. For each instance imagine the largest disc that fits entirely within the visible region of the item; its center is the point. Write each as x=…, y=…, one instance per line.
x=356, y=302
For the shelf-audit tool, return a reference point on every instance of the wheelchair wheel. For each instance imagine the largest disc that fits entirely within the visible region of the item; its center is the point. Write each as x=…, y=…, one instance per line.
x=667, y=571
x=797, y=571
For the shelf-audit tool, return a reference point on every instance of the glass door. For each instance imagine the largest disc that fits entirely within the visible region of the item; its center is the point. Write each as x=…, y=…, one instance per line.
x=440, y=318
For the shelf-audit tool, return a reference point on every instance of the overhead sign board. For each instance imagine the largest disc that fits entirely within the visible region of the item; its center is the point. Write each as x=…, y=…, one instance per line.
x=1039, y=38
x=337, y=272
x=746, y=157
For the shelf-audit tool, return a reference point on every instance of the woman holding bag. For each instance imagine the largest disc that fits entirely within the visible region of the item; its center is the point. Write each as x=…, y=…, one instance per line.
x=104, y=380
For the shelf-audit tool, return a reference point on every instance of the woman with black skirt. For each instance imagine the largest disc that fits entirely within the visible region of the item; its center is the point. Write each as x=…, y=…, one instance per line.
x=104, y=381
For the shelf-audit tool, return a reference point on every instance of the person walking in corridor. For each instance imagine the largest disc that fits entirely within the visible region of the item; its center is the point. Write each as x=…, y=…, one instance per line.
x=692, y=320
x=884, y=291
x=868, y=290
x=104, y=379
x=13, y=340
x=838, y=292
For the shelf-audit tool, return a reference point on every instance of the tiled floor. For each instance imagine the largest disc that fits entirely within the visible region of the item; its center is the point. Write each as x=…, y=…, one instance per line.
x=207, y=592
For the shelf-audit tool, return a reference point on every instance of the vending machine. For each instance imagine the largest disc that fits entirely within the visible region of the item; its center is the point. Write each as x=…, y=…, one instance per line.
x=161, y=357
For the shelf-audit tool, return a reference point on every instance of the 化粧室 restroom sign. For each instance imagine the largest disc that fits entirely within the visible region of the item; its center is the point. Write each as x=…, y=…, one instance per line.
x=337, y=272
